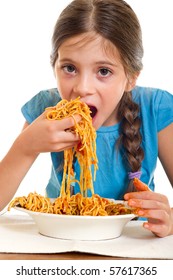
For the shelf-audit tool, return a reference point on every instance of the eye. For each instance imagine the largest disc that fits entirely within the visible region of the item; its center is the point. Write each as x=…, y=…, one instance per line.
x=104, y=72
x=69, y=68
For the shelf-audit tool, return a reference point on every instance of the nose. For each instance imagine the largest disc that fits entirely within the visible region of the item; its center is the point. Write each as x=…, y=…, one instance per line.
x=84, y=85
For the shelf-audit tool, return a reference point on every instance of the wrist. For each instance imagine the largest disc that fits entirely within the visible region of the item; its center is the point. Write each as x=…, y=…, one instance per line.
x=23, y=146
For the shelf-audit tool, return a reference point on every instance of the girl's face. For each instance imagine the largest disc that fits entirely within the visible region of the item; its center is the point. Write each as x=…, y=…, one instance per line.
x=90, y=67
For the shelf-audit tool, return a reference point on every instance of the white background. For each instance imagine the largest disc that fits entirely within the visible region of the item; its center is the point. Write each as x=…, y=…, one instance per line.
x=25, y=35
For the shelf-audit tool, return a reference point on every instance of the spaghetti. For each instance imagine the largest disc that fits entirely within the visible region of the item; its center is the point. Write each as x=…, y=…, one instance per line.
x=33, y=202
x=85, y=151
x=74, y=205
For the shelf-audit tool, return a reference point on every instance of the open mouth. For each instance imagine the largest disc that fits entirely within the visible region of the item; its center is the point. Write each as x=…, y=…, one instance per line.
x=93, y=111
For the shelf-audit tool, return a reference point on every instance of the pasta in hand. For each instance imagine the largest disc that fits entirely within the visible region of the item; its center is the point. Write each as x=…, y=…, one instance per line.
x=85, y=151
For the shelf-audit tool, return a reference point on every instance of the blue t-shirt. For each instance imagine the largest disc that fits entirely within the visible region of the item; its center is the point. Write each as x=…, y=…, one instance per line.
x=156, y=112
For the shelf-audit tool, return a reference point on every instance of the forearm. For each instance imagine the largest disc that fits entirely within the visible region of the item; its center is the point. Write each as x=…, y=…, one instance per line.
x=13, y=169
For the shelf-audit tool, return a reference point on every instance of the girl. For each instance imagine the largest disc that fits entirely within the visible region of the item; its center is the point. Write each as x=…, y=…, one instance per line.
x=97, y=54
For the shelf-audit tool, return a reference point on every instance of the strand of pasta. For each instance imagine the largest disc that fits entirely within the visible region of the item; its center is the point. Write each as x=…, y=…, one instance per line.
x=85, y=152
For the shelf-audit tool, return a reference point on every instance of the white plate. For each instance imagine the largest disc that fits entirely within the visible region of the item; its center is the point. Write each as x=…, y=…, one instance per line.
x=79, y=227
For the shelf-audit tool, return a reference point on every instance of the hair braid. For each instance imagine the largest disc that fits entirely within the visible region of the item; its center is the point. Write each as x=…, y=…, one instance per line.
x=130, y=136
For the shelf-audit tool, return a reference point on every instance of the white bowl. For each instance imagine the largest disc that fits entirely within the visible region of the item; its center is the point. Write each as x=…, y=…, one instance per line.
x=79, y=227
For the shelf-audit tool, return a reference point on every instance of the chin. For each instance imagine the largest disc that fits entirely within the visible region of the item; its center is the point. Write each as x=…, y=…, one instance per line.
x=96, y=125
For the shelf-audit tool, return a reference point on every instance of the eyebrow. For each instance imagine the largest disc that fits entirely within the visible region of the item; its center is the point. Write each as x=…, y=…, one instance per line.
x=107, y=62
x=103, y=62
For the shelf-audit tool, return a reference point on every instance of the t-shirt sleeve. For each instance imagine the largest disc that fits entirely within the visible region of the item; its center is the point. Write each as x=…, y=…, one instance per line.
x=165, y=110
x=36, y=106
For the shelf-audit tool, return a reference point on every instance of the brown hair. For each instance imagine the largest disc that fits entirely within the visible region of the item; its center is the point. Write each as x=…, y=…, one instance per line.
x=115, y=21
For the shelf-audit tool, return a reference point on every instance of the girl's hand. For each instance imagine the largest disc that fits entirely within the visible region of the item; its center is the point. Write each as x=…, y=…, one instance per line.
x=48, y=135
x=154, y=206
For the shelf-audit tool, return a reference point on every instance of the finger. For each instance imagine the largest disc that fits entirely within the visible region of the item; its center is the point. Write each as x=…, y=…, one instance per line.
x=66, y=137
x=71, y=121
x=63, y=147
x=147, y=204
x=138, y=195
x=147, y=195
x=154, y=214
x=67, y=123
x=64, y=142
x=159, y=229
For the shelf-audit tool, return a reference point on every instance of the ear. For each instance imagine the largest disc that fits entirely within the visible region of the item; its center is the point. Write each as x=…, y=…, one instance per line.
x=132, y=82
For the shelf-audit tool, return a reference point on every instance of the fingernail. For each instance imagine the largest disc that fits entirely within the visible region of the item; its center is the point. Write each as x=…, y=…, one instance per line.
x=146, y=225
x=141, y=213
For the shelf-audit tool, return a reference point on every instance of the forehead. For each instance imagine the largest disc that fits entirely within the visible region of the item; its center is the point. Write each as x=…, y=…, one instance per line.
x=91, y=40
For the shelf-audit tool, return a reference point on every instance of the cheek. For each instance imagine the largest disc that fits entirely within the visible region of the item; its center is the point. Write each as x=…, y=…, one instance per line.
x=115, y=93
x=59, y=82
x=119, y=91
x=64, y=89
